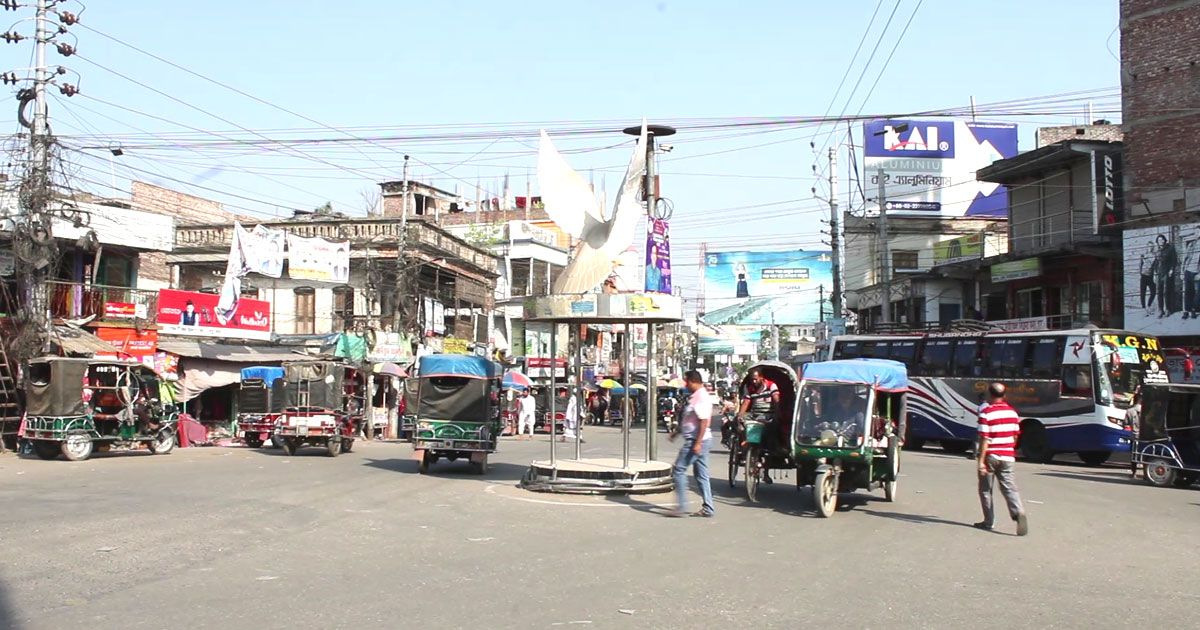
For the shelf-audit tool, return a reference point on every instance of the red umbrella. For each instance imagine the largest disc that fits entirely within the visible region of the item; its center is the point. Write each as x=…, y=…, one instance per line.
x=517, y=380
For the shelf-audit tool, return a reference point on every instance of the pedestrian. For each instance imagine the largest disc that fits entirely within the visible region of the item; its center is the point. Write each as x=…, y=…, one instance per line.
x=999, y=428
x=1133, y=420
x=526, y=415
x=572, y=419
x=697, y=438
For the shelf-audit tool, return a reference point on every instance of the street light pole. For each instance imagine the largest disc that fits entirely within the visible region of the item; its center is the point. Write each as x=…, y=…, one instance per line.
x=885, y=263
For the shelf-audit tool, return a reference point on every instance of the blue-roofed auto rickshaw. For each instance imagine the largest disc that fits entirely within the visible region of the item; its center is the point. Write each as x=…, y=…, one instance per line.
x=847, y=433
x=258, y=406
x=457, y=410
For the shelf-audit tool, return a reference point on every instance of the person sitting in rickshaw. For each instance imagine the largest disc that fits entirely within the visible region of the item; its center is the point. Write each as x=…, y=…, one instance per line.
x=760, y=396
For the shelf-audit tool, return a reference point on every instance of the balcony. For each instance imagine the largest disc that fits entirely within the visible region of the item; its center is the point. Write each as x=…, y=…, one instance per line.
x=105, y=304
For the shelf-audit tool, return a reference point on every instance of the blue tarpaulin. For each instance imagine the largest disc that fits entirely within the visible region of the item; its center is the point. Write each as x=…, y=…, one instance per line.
x=266, y=373
x=457, y=365
x=882, y=373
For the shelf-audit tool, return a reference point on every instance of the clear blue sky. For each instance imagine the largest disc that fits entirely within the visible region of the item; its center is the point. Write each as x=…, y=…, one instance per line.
x=378, y=64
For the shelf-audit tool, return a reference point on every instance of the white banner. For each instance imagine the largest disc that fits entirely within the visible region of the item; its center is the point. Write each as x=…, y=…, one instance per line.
x=262, y=250
x=318, y=259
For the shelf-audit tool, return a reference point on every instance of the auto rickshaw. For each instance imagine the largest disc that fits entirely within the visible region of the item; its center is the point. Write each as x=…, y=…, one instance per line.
x=259, y=405
x=847, y=433
x=760, y=443
x=457, y=410
x=323, y=406
x=76, y=406
x=1167, y=440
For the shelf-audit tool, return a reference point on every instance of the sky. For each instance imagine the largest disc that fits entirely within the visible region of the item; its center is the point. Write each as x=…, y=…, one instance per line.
x=379, y=70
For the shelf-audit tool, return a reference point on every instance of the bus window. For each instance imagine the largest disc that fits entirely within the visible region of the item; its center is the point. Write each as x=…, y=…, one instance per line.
x=904, y=352
x=1077, y=381
x=965, y=353
x=935, y=358
x=874, y=349
x=1045, y=358
x=848, y=350
x=1005, y=358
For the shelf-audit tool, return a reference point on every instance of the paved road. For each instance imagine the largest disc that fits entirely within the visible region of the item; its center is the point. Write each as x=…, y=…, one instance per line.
x=237, y=538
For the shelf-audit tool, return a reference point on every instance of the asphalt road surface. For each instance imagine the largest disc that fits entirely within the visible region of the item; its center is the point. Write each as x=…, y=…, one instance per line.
x=236, y=538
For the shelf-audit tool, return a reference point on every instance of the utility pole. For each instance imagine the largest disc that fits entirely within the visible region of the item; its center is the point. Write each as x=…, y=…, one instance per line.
x=404, y=296
x=774, y=336
x=885, y=263
x=821, y=303
x=835, y=234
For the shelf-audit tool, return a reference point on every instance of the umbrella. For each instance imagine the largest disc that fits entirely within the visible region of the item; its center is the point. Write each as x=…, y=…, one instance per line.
x=516, y=380
x=390, y=369
x=638, y=386
x=676, y=382
x=608, y=383
x=590, y=387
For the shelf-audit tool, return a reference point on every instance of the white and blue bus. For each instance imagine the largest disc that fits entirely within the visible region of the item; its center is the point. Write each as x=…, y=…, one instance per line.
x=1071, y=387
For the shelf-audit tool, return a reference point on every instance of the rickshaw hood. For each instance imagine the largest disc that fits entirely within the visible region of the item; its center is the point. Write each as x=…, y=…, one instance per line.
x=883, y=374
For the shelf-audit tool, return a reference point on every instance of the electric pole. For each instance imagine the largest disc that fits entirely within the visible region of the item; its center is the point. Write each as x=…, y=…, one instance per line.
x=835, y=236
x=885, y=263
x=403, y=307
x=821, y=303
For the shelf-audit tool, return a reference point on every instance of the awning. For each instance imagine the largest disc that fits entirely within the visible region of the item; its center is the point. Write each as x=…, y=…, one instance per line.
x=196, y=349
x=76, y=341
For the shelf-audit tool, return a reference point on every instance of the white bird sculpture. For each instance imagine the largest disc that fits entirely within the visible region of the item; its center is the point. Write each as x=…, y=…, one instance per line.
x=570, y=203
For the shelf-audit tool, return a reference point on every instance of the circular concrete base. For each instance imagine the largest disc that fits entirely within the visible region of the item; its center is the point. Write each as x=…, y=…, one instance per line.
x=597, y=476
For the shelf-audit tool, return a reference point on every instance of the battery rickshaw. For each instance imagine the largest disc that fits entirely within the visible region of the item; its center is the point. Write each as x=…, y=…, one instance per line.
x=77, y=406
x=259, y=404
x=847, y=433
x=457, y=410
x=1167, y=440
x=323, y=406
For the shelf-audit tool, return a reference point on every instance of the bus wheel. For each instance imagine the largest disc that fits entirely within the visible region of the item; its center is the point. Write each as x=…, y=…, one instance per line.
x=1094, y=458
x=1033, y=444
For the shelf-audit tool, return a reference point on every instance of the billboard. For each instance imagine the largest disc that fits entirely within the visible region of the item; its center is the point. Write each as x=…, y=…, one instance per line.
x=318, y=259
x=763, y=288
x=969, y=247
x=195, y=314
x=658, y=256
x=1162, y=267
x=1110, y=202
x=741, y=340
x=929, y=165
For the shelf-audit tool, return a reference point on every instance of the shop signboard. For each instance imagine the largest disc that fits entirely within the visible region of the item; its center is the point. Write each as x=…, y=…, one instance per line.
x=193, y=314
x=1017, y=270
x=124, y=310
x=1022, y=324
x=761, y=288
x=929, y=165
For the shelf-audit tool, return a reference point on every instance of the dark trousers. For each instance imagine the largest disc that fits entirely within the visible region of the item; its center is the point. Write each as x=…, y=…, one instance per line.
x=1147, y=287
x=1189, y=292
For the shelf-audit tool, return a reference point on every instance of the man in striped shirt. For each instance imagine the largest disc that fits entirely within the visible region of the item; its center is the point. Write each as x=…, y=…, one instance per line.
x=999, y=427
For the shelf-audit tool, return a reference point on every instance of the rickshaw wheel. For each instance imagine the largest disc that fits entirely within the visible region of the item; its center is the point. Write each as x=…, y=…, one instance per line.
x=347, y=444
x=825, y=493
x=890, y=486
x=733, y=462
x=46, y=450
x=1159, y=473
x=753, y=474
x=253, y=442
x=480, y=468
x=288, y=446
x=423, y=465
x=333, y=446
x=163, y=442
x=78, y=446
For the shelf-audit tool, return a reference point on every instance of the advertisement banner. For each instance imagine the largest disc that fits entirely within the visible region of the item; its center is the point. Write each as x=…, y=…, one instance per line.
x=968, y=247
x=393, y=347
x=124, y=310
x=730, y=340
x=1017, y=270
x=1110, y=202
x=195, y=314
x=929, y=165
x=763, y=288
x=128, y=341
x=318, y=259
x=1162, y=269
x=658, y=256
x=262, y=250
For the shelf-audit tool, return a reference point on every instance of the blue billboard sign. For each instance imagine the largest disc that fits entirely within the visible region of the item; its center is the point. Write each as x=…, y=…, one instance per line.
x=763, y=288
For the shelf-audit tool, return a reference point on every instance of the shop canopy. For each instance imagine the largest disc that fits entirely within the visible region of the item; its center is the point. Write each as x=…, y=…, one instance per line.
x=883, y=374
x=464, y=365
x=207, y=366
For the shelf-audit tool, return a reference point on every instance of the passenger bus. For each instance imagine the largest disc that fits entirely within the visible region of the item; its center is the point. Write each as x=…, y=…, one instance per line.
x=1071, y=387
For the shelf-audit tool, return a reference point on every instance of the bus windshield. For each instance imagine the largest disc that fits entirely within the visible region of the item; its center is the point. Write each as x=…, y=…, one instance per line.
x=1120, y=362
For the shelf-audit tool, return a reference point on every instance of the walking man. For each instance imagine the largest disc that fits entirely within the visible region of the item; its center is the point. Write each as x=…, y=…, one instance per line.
x=697, y=416
x=525, y=415
x=572, y=418
x=999, y=427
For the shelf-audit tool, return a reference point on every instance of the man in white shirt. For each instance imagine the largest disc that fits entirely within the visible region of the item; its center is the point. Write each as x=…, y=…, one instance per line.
x=526, y=415
x=572, y=418
x=697, y=438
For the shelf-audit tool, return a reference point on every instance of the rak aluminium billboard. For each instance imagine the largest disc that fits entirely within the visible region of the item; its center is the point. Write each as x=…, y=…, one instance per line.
x=928, y=166
x=745, y=288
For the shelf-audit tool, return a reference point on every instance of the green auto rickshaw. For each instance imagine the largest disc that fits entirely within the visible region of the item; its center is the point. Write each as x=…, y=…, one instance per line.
x=457, y=410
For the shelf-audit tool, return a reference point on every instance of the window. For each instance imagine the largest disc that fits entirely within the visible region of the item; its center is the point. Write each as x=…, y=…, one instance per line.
x=1006, y=357
x=874, y=349
x=1029, y=303
x=1077, y=381
x=1045, y=358
x=965, y=353
x=904, y=352
x=343, y=306
x=848, y=350
x=904, y=260
x=1088, y=302
x=935, y=358
x=306, y=310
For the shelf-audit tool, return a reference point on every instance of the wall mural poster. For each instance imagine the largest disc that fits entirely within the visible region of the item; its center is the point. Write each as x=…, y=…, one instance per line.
x=658, y=256
x=1162, y=280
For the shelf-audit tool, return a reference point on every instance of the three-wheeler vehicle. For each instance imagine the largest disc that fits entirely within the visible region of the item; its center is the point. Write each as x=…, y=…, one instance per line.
x=847, y=433
x=457, y=410
x=77, y=406
x=259, y=405
x=323, y=403
x=1167, y=440
x=762, y=441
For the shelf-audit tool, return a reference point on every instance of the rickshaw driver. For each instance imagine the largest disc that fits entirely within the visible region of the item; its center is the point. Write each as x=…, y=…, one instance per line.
x=761, y=397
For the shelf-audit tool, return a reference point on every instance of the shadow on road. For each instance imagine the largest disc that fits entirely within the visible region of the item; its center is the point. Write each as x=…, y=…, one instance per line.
x=498, y=472
x=1102, y=477
x=916, y=518
x=8, y=616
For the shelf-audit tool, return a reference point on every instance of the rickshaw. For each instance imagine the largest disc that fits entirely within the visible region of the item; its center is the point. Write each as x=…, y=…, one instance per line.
x=761, y=443
x=457, y=409
x=77, y=406
x=1167, y=441
x=259, y=405
x=848, y=428
x=323, y=406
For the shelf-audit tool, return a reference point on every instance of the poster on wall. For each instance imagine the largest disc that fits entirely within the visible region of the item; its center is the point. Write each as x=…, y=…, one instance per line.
x=1162, y=269
x=318, y=259
x=195, y=314
x=763, y=288
x=658, y=256
x=929, y=165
